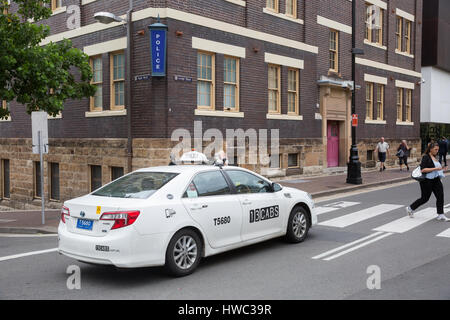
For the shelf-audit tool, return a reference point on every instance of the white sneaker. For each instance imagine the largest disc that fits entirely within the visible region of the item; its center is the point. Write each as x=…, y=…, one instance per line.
x=442, y=217
x=410, y=212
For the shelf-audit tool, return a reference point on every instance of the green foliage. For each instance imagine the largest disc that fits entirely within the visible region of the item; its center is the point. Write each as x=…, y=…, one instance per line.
x=39, y=77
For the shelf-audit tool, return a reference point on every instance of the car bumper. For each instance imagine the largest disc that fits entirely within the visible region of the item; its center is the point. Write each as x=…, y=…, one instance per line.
x=124, y=248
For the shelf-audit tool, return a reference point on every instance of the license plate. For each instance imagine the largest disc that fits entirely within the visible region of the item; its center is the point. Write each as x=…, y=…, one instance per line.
x=85, y=224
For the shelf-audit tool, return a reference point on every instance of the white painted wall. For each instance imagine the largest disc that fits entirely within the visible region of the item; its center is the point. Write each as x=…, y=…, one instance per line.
x=435, y=96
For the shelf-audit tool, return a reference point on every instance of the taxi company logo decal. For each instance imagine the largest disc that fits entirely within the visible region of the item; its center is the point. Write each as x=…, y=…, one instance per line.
x=262, y=214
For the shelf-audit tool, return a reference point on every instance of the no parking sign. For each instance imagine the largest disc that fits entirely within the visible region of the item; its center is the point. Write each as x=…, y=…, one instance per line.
x=354, y=120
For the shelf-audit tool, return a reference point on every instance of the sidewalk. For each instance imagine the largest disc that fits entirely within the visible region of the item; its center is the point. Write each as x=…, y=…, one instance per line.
x=30, y=222
x=334, y=184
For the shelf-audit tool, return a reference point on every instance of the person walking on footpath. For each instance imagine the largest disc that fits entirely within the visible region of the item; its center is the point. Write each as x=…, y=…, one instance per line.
x=403, y=154
x=443, y=150
x=382, y=149
x=433, y=172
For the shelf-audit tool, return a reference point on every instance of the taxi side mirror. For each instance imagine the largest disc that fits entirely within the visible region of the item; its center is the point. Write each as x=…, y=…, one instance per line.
x=276, y=187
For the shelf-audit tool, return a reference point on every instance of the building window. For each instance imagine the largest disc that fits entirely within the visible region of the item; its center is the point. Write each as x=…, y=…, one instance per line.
x=408, y=36
x=97, y=80
x=370, y=155
x=4, y=179
x=274, y=73
x=368, y=34
x=205, y=80
x=291, y=8
x=274, y=164
x=116, y=173
x=399, y=104
x=408, y=108
x=293, y=160
x=54, y=181
x=369, y=101
x=293, y=85
x=272, y=5
x=96, y=177
x=6, y=10
x=231, y=84
x=379, y=28
x=398, y=33
x=118, y=81
x=380, y=102
x=334, y=50
x=5, y=105
x=37, y=180
x=56, y=4
x=374, y=24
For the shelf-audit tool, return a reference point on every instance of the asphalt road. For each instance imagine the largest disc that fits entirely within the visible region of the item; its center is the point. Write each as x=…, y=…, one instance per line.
x=412, y=260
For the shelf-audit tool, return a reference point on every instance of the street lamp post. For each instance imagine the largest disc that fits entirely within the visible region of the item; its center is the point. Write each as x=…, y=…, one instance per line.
x=354, y=166
x=107, y=17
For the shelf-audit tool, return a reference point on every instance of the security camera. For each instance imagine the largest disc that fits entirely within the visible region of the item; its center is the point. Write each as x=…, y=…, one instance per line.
x=422, y=81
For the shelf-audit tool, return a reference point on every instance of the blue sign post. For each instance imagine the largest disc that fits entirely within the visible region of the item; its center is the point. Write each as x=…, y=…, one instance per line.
x=158, y=45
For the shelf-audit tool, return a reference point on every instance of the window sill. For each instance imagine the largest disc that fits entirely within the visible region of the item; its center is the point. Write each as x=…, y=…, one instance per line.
x=106, y=113
x=404, y=54
x=404, y=123
x=273, y=116
x=367, y=121
x=216, y=113
x=283, y=16
x=84, y=2
x=374, y=44
x=238, y=2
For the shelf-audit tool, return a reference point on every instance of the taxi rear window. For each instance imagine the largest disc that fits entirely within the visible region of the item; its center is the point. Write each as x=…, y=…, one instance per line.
x=138, y=185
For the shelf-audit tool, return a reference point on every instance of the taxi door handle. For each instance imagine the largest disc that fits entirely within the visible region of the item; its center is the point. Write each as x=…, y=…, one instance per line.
x=246, y=202
x=199, y=207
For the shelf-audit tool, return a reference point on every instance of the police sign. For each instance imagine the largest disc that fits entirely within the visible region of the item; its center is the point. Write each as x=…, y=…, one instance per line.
x=158, y=44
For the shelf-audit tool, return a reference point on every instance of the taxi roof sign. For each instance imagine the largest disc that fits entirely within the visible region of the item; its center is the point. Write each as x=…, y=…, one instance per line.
x=194, y=157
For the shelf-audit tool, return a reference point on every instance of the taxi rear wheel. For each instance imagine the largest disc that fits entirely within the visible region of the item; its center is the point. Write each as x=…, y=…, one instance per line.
x=298, y=225
x=183, y=253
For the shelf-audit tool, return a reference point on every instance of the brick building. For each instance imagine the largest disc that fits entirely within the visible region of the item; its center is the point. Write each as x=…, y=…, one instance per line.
x=435, y=100
x=255, y=64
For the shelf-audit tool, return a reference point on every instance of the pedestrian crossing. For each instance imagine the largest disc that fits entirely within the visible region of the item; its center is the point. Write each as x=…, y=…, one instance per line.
x=359, y=216
x=395, y=227
x=445, y=234
x=335, y=206
x=405, y=224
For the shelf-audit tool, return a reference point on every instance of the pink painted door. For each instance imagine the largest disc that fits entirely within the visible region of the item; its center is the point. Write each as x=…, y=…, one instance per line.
x=333, y=144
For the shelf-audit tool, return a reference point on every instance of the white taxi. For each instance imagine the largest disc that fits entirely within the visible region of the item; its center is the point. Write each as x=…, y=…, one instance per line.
x=178, y=214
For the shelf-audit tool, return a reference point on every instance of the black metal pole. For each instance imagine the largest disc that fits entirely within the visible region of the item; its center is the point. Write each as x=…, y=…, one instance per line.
x=354, y=166
x=128, y=85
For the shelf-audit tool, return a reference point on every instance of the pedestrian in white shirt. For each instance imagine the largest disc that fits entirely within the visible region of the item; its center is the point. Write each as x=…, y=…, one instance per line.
x=382, y=149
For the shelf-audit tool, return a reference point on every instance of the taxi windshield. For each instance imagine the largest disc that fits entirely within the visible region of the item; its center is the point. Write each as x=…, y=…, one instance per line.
x=138, y=185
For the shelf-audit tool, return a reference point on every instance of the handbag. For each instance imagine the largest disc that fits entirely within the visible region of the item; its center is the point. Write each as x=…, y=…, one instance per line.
x=400, y=153
x=417, y=174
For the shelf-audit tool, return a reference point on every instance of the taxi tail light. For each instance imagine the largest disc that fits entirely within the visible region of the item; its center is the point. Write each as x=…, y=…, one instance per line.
x=121, y=218
x=65, y=212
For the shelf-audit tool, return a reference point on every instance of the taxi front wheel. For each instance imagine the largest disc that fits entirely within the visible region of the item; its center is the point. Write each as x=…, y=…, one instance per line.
x=298, y=225
x=183, y=253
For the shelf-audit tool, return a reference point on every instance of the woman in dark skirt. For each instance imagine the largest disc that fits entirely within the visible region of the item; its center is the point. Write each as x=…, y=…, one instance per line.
x=403, y=159
x=433, y=172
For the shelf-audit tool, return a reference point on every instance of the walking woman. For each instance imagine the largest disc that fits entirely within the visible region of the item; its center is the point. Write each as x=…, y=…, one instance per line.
x=432, y=184
x=403, y=154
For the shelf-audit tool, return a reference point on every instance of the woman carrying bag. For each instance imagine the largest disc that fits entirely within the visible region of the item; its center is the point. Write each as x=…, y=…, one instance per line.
x=433, y=172
x=403, y=154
